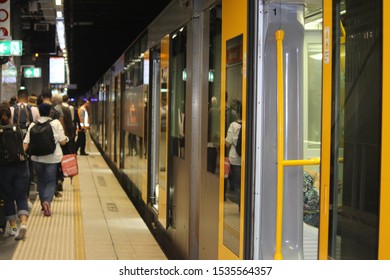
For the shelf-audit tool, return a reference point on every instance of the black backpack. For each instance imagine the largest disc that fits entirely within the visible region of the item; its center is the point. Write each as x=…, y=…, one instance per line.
x=42, y=141
x=239, y=140
x=22, y=115
x=11, y=145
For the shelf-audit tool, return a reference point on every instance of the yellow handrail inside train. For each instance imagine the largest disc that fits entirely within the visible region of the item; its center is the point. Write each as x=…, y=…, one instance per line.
x=343, y=37
x=279, y=35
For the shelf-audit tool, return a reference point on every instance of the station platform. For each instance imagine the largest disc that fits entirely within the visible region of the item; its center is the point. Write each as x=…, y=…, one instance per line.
x=93, y=220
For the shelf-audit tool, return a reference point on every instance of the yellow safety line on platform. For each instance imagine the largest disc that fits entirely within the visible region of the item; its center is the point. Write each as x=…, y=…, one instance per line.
x=78, y=220
x=51, y=238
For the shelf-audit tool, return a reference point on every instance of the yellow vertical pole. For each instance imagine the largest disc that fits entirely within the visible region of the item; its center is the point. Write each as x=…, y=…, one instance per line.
x=279, y=36
x=326, y=128
x=384, y=221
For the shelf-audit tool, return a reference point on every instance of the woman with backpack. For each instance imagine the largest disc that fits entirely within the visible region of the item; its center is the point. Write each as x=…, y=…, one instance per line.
x=14, y=174
x=39, y=138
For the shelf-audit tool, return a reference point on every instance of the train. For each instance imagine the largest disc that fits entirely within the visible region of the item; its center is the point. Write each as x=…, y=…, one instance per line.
x=304, y=83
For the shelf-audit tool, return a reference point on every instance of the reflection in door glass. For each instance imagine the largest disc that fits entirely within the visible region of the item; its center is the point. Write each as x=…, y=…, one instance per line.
x=178, y=78
x=232, y=182
x=214, y=116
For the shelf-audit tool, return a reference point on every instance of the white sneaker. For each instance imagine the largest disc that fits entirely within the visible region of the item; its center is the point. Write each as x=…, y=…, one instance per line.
x=11, y=231
x=22, y=232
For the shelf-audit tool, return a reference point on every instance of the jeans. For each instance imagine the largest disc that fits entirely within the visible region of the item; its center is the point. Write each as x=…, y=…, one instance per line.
x=46, y=174
x=14, y=182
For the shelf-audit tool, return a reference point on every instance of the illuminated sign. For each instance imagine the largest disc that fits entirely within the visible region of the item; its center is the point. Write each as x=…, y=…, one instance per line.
x=11, y=48
x=32, y=72
x=57, y=70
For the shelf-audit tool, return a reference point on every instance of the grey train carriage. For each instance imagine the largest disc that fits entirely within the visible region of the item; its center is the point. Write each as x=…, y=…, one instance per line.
x=301, y=80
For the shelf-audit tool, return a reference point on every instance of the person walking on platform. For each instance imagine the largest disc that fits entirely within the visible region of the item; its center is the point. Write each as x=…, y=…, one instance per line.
x=23, y=113
x=55, y=113
x=14, y=174
x=46, y=165
x=84, y=126
x=69, y=128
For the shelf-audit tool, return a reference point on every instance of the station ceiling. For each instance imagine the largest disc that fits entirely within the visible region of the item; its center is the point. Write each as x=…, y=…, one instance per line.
x=98, y=32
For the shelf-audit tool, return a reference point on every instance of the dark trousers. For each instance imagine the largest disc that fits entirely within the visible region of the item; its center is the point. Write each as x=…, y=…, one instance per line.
x=235, y=181
x=81, y=141
x=212, y=159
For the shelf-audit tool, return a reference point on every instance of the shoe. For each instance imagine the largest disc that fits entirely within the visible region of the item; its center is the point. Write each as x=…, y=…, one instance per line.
x=46, y=209
x=22, y=232
x=58, y=194
x=59, y=186
x=11, y=231
x=84, y=154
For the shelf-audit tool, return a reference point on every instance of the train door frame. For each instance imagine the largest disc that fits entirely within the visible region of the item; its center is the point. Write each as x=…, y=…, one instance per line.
x=232, y=30
x=121, y=121
x=384, y=221
x=106, y=120
x=209, y=174
x=154, y=116
x=181, y=196
x=116, y=124
x=330, y=80
x=158, y=194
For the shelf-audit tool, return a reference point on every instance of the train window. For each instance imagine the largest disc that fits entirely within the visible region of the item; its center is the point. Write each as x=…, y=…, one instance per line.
x=314, y=67
x=178, y=77
x=214, y=116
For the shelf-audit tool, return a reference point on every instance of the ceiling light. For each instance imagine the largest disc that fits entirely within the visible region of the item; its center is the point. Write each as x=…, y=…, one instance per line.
x=59, y=14
x=58, y=2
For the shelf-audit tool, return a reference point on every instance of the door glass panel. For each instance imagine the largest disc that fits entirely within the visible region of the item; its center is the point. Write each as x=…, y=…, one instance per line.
x=155, y=128
x=356, y=134
x=214, y=116
x=312, y=127
x=162, y=146
x=178, y=78
x=232, y=184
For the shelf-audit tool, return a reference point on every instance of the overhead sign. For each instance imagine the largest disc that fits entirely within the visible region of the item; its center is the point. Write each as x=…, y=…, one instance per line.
x=57, y=70
x=4, y=18
x=32, y=72
x=11, y=48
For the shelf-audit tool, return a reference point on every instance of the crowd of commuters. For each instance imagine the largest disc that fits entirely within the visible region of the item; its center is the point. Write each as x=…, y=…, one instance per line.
x=42, y=170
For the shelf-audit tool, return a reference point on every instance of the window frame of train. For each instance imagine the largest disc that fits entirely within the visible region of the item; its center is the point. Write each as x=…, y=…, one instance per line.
x=351, y=224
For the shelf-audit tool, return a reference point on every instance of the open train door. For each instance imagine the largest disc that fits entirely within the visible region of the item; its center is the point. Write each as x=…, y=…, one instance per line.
x=233, y=112
x=354, y=221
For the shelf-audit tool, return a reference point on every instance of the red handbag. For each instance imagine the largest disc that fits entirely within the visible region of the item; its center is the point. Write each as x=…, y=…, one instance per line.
x=69, y=165
x=227, y=167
